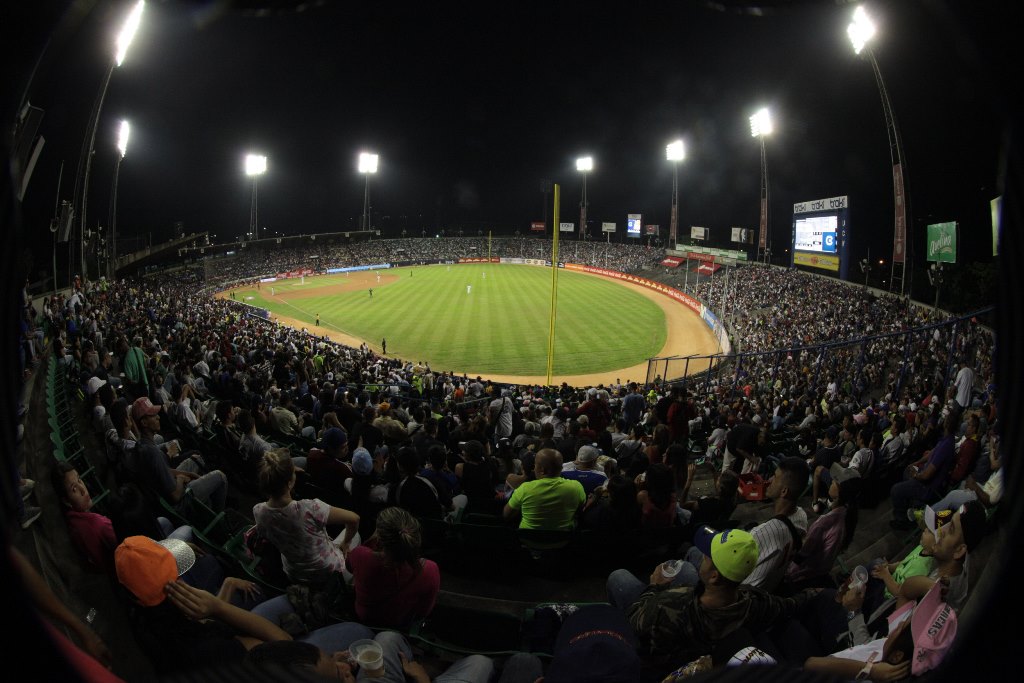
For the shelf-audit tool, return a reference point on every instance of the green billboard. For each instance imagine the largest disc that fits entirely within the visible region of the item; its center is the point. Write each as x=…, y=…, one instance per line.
x=942, y=242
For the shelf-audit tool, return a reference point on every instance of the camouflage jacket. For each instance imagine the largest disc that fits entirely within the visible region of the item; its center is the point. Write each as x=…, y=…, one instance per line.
x=671, y=622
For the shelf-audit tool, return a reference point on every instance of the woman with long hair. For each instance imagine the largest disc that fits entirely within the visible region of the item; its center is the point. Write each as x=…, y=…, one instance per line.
x=829, y=534
x=298, y=528
x=393, y=584
x=657, y=498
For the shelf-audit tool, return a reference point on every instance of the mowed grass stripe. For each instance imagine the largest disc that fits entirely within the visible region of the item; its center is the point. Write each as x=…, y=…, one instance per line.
x=500, y=327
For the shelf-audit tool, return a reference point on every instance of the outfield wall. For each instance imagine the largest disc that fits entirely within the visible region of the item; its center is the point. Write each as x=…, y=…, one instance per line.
x=709, y=318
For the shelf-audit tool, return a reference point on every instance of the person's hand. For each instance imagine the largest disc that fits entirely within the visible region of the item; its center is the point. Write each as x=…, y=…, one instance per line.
x=659, y=579
x=691, y=470
x=232, y=584
x=853, y=600
x=194, y=603
x=882, y=672
x=173, y=449
x=413, y=669
x=881, y=571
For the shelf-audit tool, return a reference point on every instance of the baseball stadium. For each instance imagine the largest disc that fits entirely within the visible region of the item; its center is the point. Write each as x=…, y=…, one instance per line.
x=477, y=409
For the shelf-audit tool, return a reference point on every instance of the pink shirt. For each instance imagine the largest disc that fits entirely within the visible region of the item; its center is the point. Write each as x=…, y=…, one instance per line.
x=391, y=596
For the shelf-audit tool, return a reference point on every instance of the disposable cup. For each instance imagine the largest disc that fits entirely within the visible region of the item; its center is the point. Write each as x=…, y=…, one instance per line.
x=369, y=655
x=671, y=568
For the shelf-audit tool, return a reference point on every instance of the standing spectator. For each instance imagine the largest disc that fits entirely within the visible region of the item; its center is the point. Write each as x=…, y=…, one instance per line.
x=633, y=405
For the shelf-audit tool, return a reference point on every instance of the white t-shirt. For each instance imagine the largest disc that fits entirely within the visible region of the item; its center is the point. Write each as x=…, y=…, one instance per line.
x=964, y=385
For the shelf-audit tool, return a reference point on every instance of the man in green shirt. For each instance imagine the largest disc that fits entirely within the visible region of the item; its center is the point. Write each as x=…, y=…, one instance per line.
x=548, y=502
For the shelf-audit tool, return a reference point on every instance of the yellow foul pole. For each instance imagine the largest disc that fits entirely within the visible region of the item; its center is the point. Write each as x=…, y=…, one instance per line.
x=554, y=284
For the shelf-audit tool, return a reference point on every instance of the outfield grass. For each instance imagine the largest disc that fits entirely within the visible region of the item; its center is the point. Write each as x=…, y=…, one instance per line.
x=501, y=327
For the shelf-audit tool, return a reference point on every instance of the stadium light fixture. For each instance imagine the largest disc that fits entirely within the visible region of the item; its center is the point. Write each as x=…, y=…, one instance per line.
x=124, y=41
x=760, y=126
x=255, y=166
x=122, y=137
x=761, y=123
x=122, y=148
x=675, y=152
x=861, y=32
x=584, y=165
x=367, y=166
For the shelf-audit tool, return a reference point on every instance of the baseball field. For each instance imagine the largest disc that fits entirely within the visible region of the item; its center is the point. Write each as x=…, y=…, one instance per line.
x=487, y=319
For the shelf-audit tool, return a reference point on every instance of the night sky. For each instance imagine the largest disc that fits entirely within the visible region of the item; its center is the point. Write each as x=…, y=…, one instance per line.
x=472, y=106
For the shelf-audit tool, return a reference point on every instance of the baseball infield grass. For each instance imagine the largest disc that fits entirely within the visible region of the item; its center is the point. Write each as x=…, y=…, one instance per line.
x=500, y=326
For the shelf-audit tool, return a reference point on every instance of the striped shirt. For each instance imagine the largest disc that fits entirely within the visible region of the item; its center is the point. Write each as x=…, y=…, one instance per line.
x=774, y=550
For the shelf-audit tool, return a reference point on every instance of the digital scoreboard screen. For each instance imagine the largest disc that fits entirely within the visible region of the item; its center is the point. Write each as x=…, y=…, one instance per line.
x=817, y=234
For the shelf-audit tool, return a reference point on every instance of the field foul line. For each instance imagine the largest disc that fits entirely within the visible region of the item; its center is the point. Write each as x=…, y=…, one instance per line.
x=322, y=320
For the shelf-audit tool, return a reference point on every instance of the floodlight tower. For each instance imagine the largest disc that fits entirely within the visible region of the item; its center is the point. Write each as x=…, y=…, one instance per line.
x=255, y=166
x=367, y=166
x=674, y=152
x=584, y=165
x=124, y=40
x=861, y=31
x=760, y=126
x=122, y=149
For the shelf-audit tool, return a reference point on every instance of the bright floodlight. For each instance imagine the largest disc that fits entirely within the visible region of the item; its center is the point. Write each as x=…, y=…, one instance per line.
x=131, y=25
x=255, y=164
x=368, y=162
x=861, y=30
x=675, y=151
x=122, y=138
x=585, y=164
x=761, y=123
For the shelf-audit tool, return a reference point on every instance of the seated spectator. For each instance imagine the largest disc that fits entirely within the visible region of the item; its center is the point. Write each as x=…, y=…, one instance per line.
x=326, y=465
x=780, y=538
x=549, y=501
x=251, y=446
x=989, y=493
x=656, y=497
x=682, y=623
x=967, y=450
x=584, y=470
x=715, y=510
x=926, y=479
x=861, y=461
x=298, y=528
x=148, y=465
x=92, y=534
x=283, y=419
x=893, y=444
x=630, y=453
x=394, y=586
x=417, y=494
x=830, y=534
x=310, y=658
x=478, y=476
x=367, y=484
x=613, y=507
x=505, y=459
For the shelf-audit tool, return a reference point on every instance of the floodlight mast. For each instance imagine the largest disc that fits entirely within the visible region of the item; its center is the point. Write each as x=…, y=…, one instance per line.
x=124, y=41
x=367, y=166
x=674, y=152
x=861, y=32
x=122, y=149
x=760, y=126
x=255, y=166
x=584, y=165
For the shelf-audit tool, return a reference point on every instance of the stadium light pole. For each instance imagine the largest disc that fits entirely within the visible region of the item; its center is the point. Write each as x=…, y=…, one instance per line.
x=861, y=32
x=584, y=165
x=122, y=149
x=255, y=166
x=367, y=166
x=674, y=152
x=124, y=40
x=760, y=126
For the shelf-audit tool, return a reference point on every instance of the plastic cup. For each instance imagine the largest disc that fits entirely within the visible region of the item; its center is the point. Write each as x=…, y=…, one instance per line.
x=671, y=568
x=859, y=577
x=369, y=655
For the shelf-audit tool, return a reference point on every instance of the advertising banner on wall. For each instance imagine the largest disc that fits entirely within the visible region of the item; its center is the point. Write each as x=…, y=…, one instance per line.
x=942, y=242
x=537, y=226
x=566, y=227
x=608, y=227
x=652, y=229
x=698, y=233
